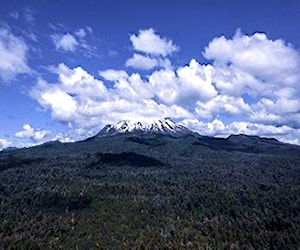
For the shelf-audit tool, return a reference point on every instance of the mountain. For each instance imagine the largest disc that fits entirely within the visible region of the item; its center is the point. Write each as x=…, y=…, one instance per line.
x=151, y=184
x=146, y=126
x=176, y=137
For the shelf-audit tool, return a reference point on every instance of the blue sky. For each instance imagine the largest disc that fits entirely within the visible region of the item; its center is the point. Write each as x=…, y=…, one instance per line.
x=219, y=67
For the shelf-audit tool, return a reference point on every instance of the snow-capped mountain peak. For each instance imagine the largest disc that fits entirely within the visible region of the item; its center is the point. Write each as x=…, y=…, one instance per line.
x=159, y=126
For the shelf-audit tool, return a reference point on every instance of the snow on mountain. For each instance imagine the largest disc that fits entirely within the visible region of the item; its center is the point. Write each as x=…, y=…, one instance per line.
x=159, y=126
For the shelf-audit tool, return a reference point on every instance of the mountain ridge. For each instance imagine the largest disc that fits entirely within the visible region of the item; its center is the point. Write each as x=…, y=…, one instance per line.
x=159, y=132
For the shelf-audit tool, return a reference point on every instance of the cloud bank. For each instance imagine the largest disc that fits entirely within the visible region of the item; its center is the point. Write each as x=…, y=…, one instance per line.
x=251, y=85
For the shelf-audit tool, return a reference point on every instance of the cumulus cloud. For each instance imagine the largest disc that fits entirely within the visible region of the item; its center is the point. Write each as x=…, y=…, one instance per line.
x=72, y=96
x=78, y=81
x=153, y=51
x=113, y=75
x=63, y=105
x=267, y=70
x=71, y=136
x=253, y=63
x=13, y=54
x=80, y=100
x=65, y=42
x=79, y=41
x=149, y=42
x=196, y=80
x=142, y=62
x=139, y=61
x=5, y=144
x=267, y=60
x=184, y=86
x=222, y=104
x=166, y=85
x=29, y=132
x=245, y=88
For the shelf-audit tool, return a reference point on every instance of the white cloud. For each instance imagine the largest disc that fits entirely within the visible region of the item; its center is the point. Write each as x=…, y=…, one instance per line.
x=196, y=81
x=165, y=85
x=80, y=41
x=271, y=62
x=222, y=104
x=185, y=86
x=257, y=55
x=66, y=42
x=81, y=100
x=156, y=49
x=66, y=137
x=29, y=132
x=267, y=70
x=218, y=128
x=205, y=96
x=113, y=75
x=280, y=106
x=5, y=144
x=142, y=62
x=230, y=80
x=139, y=61
x=79, y=82
x=149, y=42
x=132, y=88
x=281, y=111
x=13, y=54
x=165, y=63
x=80, y=33
x=62, y=104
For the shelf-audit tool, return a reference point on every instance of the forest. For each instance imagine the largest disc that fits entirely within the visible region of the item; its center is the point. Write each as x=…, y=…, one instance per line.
x=150, y=193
